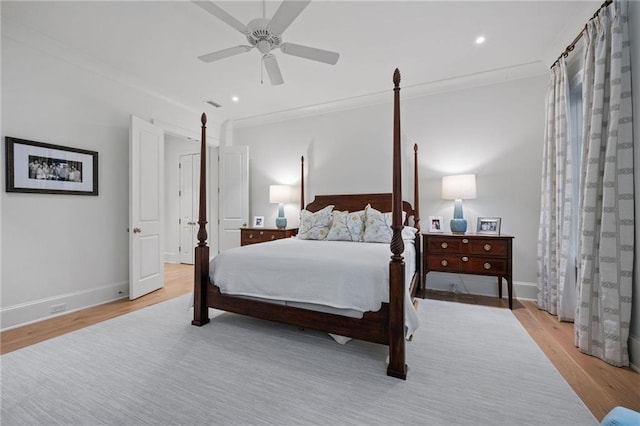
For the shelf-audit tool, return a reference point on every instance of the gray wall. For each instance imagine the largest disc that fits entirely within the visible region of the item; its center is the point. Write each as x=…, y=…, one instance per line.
x=63, y=248
x=494, y=131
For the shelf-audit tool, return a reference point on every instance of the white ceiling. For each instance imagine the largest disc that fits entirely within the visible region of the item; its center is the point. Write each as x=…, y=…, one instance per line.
x=154, y=45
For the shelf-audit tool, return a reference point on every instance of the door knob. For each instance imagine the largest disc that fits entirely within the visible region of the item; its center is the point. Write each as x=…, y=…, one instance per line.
x=137, y=230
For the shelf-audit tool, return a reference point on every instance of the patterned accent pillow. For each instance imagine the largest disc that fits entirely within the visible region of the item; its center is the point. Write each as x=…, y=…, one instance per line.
x=347, y=226
x=377, y=227
x=315, y=226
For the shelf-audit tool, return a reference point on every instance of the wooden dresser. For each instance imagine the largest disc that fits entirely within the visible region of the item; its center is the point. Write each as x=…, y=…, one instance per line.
x=474, y=254
x=261, y=235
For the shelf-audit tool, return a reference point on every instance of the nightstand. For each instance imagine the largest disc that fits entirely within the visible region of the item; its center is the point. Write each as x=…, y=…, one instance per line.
x=474, y=254
x=261, y=235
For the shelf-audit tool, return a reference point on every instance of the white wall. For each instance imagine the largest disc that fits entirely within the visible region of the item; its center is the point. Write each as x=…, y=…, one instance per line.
x=494, y=131
x=63, y=248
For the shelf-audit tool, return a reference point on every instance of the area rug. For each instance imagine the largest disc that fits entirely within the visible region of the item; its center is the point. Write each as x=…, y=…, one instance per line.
x=468, y=365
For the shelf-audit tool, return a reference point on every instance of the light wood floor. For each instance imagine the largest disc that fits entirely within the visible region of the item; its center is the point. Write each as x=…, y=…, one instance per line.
x=600, y=385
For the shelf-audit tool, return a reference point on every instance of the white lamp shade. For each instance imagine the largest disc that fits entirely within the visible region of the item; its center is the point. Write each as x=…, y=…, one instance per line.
x=279, y=194
x=459, y=187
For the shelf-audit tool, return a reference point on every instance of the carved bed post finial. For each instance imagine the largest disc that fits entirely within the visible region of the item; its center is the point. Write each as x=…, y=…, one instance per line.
x=397, y=367
x=202, y=216
x=302, y=183
x=397, y=245
x=201, y=253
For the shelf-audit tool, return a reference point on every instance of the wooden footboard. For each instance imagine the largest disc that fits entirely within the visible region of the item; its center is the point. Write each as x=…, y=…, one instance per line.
x=387, y=325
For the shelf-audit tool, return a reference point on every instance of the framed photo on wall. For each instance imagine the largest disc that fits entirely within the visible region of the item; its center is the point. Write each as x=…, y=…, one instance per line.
x=435, y=223
x=37, y=167
x=488, y=225
x=258, y=221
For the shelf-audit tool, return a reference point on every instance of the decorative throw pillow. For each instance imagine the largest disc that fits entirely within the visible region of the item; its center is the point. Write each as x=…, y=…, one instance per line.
x=347, y=226
x=377, y=227
x=315, y=226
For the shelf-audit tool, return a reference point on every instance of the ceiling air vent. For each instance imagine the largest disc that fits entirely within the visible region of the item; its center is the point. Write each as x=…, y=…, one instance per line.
x=214, y=104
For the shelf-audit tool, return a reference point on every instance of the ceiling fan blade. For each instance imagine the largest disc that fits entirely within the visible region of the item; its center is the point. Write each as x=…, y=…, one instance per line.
x=312, y=53
x=219, y=13
x=286, y=13
x=224, y=53
x=271, y=65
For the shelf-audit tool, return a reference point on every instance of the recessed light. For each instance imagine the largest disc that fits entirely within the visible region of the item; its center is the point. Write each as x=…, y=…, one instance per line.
x=235, y=98
x=480, y=40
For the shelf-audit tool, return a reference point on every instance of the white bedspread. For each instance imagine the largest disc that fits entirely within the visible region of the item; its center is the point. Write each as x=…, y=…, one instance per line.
x=339, y=274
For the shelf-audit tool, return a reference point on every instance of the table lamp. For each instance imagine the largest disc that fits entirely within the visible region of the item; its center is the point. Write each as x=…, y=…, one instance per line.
x=280, y=194
x=458, y=188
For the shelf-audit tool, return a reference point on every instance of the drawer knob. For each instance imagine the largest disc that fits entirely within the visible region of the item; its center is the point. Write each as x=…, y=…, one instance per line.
x=487, y=265
x=487, y=247
x=444, y=245
x=273, y=236
x=465, y=259
x=465, y=241
x=444, y=262
x=261, y=232
x=250, y=236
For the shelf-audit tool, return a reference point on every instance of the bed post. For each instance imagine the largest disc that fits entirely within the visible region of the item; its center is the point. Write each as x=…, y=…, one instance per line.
x=416, y=221
x=397, y=367
x=201, y=268
x=302, y=183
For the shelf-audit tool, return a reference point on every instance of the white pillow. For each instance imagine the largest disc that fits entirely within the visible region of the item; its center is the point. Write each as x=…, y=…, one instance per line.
x=409, y=233
x=347, y=226
x=315, y=226
x=377, y=227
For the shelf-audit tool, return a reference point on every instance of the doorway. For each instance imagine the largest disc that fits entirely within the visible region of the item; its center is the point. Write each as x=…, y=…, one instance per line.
x=188, y=196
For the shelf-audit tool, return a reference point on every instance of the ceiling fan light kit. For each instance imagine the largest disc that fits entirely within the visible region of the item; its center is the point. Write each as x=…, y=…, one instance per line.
x=266, y=35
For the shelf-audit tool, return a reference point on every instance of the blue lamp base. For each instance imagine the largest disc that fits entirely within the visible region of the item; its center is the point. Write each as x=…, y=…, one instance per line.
x=281, y=220
x=458, y=224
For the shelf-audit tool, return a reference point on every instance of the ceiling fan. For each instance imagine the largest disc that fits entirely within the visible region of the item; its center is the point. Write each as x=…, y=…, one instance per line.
x=266, y=35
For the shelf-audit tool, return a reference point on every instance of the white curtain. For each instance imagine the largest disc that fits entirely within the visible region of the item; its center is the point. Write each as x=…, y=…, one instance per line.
x=606, y=219
x=555, y=213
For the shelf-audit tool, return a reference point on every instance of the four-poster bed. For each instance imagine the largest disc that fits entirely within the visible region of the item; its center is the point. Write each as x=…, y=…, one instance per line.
x=385, y=325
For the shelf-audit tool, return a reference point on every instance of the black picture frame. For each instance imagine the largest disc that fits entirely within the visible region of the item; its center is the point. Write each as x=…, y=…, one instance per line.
x=38, y=167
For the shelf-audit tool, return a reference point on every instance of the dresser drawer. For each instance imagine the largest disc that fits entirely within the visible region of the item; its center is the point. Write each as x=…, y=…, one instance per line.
x=488, y=247
x=253, y=235
x=444, y=245
x=467, y=264
x=484, y=247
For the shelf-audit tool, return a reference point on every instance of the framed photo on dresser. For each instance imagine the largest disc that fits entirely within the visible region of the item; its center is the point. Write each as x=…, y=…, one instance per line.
x=258, y=221
x=488, y=225
x=435, y=223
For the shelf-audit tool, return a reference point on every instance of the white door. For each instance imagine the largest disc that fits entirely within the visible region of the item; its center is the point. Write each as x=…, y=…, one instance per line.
x=188, y=199
x=233, y=200
x=146, y=208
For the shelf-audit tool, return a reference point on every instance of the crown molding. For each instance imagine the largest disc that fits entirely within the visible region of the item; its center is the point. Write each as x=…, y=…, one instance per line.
x=483, y=78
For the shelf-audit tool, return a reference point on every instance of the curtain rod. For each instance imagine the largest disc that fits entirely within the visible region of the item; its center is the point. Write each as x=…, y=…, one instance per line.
x=572, y=46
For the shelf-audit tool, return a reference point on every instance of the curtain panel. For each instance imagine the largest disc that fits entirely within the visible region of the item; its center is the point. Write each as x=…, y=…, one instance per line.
x=606, y=219
x=555, y=212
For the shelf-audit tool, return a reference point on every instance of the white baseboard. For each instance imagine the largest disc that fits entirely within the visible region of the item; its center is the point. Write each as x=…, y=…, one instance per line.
x=38, y=310
x=171, y=257
x=480, y=285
